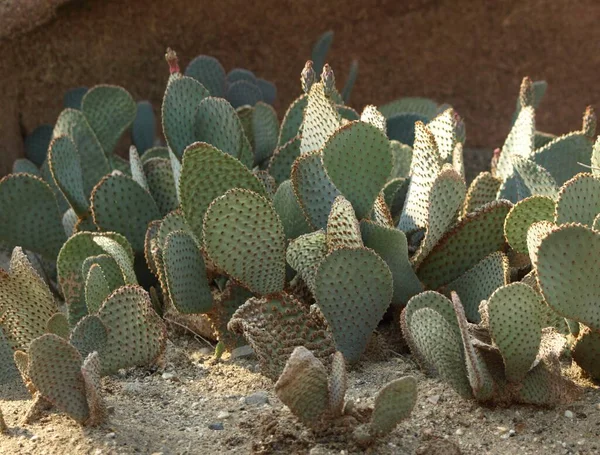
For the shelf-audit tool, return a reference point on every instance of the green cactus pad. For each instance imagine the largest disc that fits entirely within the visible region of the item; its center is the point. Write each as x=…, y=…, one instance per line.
x=401, y=157
x=46, y=175
x=161, y=184
x=26, y=302
x=321, y=119
x=119, y=204
x=218, y=124
x=515, y=321
x=173, y=221
x=91, y=376
x=267, y=181
x=58, y=324
x=358, y=160
x=401, y=127
x=10, y=378
x=245, y=222
x=55, y=370
x=110, y=269
x=313, y=188
x=186, y=274
x=391, y=245
x=587, y=352
x=394, y=194
x=209, y=72
x=232, y=297
x=30, y=216
x=96, y=288
x=519, y=142
x=446, y=198
x=458, y=159
x=151, y=245
x=347, y=113
x=94, y=164
x=483, y=190
x=303, y=387
x=522, y=216
x=342, y=226
x=476, y=236
x=179, y=107
x=381, y=213
x=567, y=266
x=426, y=107
x=443, y=128
x=69, y=268
x=36, y=144
x=544, y=385
x=291, y=124
x=89, y=335
x=426, y=165
x=265, y=127
x=536, y=232
x=143, y=130
x=208, y=173
x=320, y=50
x=533, y=179
x=275, y=326
x=110, y=110
x=393, y=403
x=268, y=90
x=371, y=115
x=289, y=211
x=69, y=221
x=121, y=254
x=136, y=335
x=242, y=93
x=579, y=200
x=563, y=155
x=24, y=166
x=353, y=289
x=137, y=168
x=479, y=282
x=155, y=152
x=338, y=384
x=305, y=253
x=240, y=74
x=63, y=159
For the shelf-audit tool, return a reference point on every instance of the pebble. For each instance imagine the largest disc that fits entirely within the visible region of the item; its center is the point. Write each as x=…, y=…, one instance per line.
x=34, y=438
x=111, y=435
x=206, y=351
x=168, y=376
x=222, y=415
x=216, y=426
x=318, y=450
x=569, y=414
x=433, y=399
x=242, y=351
x=459, y=432
x=257, y=398
x=132, y=388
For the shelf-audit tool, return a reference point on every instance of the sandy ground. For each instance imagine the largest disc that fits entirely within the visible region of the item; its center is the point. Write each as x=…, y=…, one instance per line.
x=194, y=405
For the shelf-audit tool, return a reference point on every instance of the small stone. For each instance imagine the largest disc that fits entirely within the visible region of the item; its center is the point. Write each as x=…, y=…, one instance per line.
x=157, y=453
x=459, y=432
x=98, y=452
x=242, y=351
x=111, y=435
x=217, y=426
x=502, y=430
x=512, y=433
x=133, y=388
x=318, y=450
x=433, y=399
x=222, y=415
x=34, y=438
x=168, y=376
x=206, y=351
x=581, y=442
x=569, y=414
x=257, y=398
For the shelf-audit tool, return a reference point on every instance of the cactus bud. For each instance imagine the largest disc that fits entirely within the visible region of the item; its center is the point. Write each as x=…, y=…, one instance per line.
x=495, y=159
x=526, y=92
x=589, y=122
x=328, y=79
x=307, y=77
x=172, y=60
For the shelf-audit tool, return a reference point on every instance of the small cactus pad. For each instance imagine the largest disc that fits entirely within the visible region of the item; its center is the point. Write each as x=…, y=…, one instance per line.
x=30, y=216
x=243, y=236
x=240, y=74
x=567, y=267
x=89, y=335
x=321, y=119
x=289, y=211
x=218, y=124
x=242, y=93
x=9, y=374
x=401, y=157
x=391, y=245
x=401, y=127
x=393, y=403
x=303, y=387
x=24, y=166
x=472, y=239
x=446, y=198
x=58, y=324
x=280, y=164
x=91, y=376
x=443, y=128
x=268, y=90
x=533, y=179
x=544, y=385
x=63, y=159
x=36, y=144
x=26, y=302
x=292, y=120
x=371, y=115
x=426, y=107
x=94, y=164
x=97, y=288
x=522, y=216
x=110, y=110
x=208, y=173
x=579, y=200
x=483, y=190
x=305, y=253
x=136, y=335
x=265, y=127
x=55, y=370
x=209, y=72
x=121, y=254
x=536, y=232
x=179, y=106
x=314, y=189
x=343, y=229
x=353, y=289
x=186, y=274
x=479, y=282
x=425, y=166
x=137, y=168
x=119, y=204
x=458, y=159
x=587, y=352
x=515, y=321
x=275, y=326
x=232, y=297
x=162, y=184
x=338, y=384
x=143, y=130
x=520, y=141
x=347, y=114
x=173, y=221
x=358, y=161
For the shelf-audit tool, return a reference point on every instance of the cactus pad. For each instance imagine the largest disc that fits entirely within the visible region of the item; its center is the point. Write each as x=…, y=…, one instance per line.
x=520, y=142
x=209, y=72
x=401, y=127
x=358, y=161
x=232, y=297
x=58, y=324
x=443, y=127
x=587, y=352
x=63, y=159
x=36, y=144
x=522, y=216
x=242, y=93
x=353, y=289
x=96, y=288
x=483, y=189
x=137, y=168
x=338, y=384
x=371, y=115
x=292, y=120
x=289, y=211
x=393, y=403
x=162, y=184
x=561, y=156
x=321, y=119
x=89, y=335
x=343, y=229
x=143, y=130
x=305, y=253
x=536, y=232
x=280, y=164
x=265, y=127
x=121, y=254
x=579, y=200
x=245, y=222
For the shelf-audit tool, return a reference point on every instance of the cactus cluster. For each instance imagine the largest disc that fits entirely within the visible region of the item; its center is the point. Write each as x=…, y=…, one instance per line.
x=298, y=237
